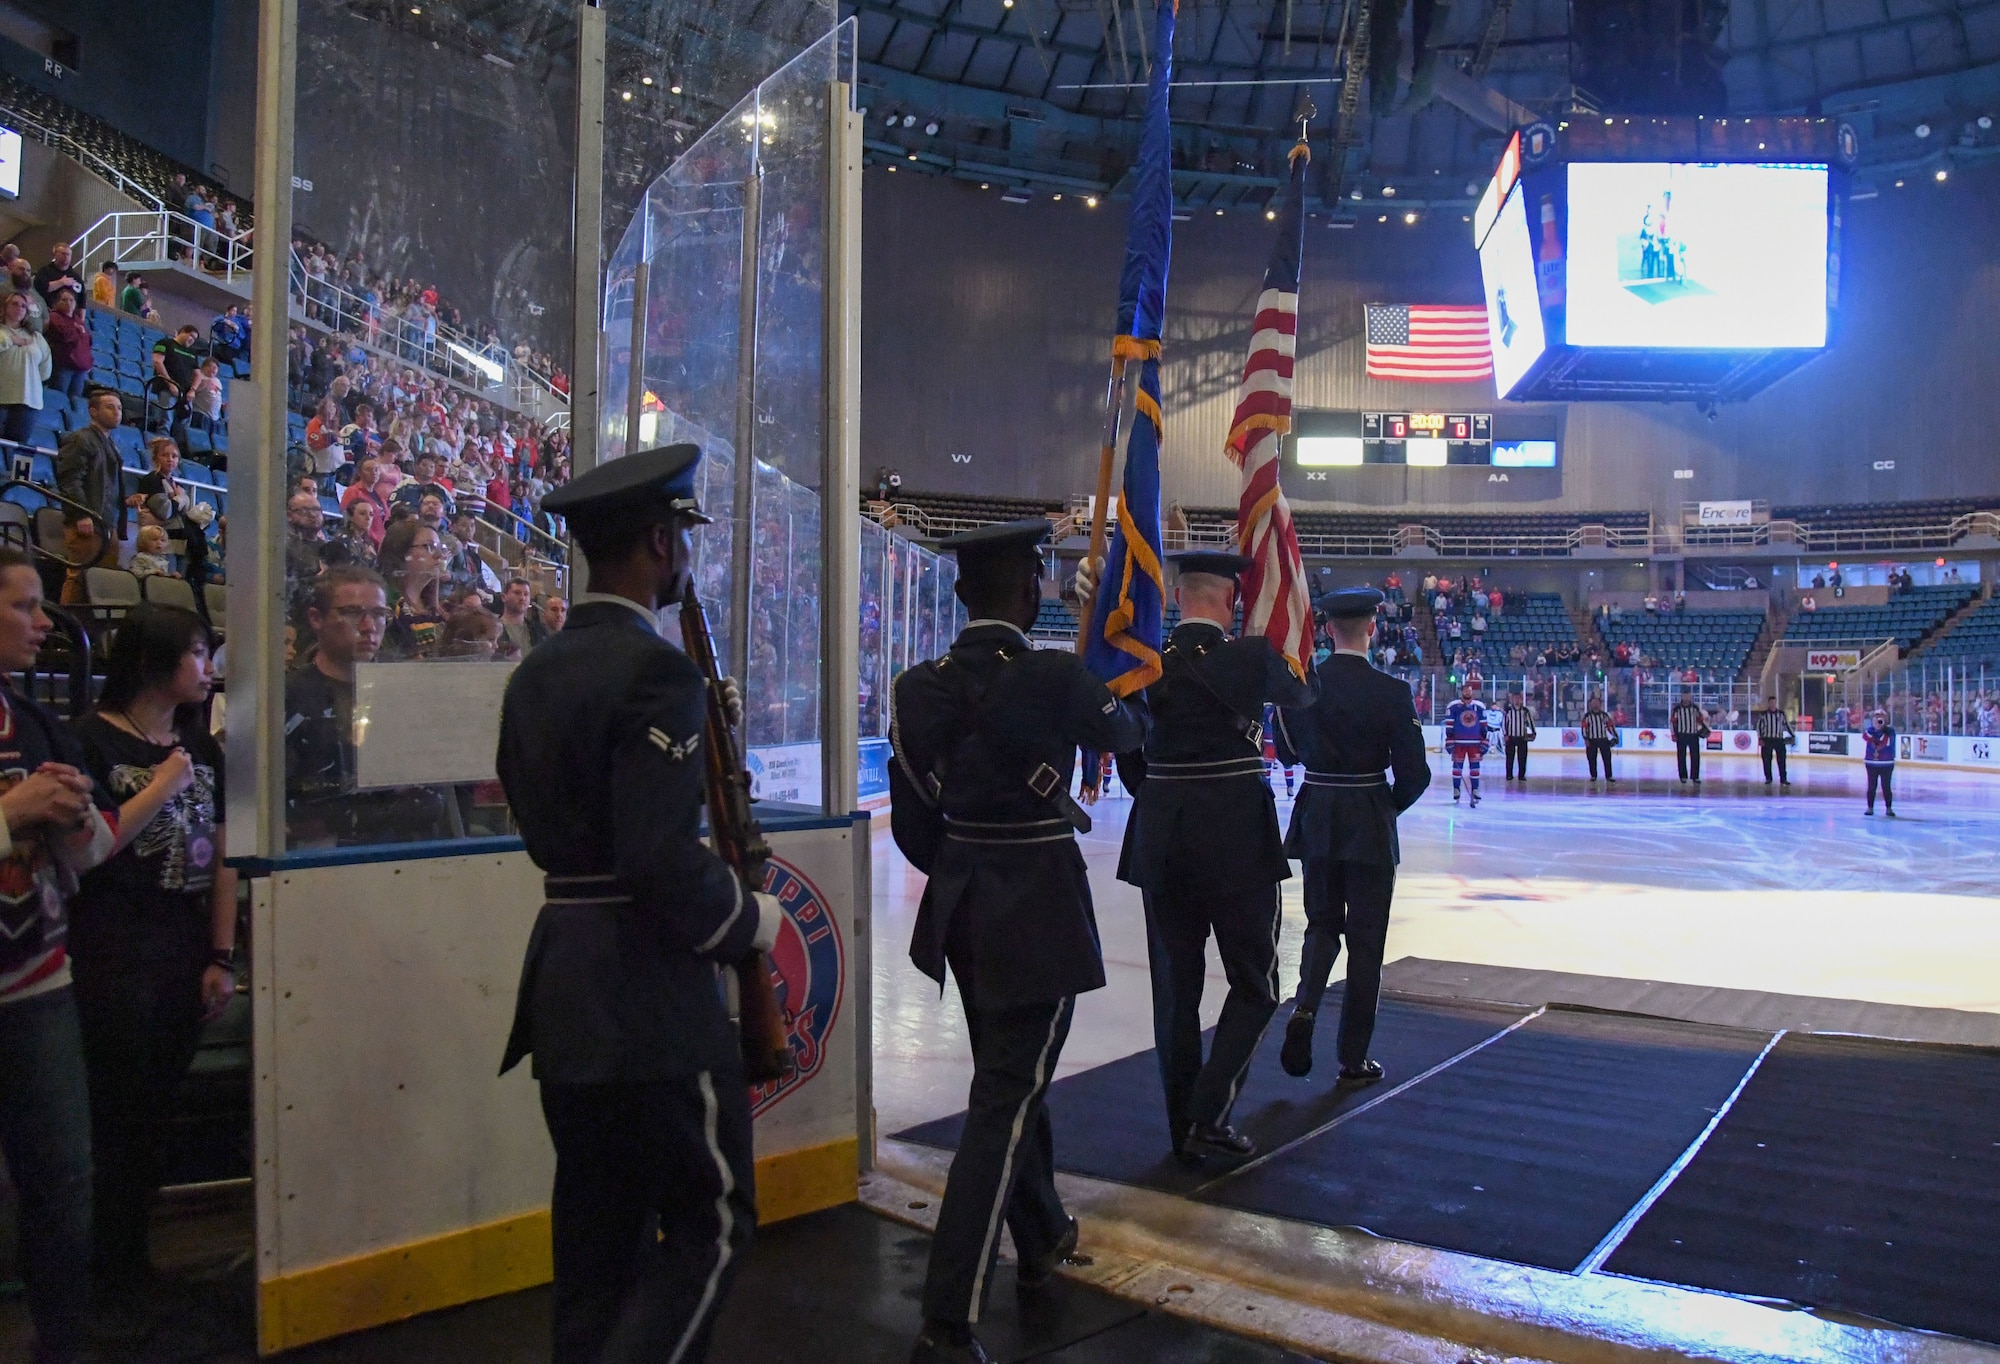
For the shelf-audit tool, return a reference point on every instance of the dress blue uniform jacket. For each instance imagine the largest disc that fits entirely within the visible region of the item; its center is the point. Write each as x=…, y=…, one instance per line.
x=1219, y=834
x=967, y=731
x=601, y=756
x=1363, y=724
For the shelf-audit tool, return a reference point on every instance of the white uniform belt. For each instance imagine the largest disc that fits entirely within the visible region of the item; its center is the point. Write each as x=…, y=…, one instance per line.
x=1203, y=771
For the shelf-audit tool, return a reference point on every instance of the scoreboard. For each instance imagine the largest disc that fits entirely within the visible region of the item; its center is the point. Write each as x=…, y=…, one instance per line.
x=1458, y=428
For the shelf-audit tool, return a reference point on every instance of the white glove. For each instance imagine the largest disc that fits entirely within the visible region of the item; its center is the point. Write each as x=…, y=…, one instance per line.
x=732, y=702
x=770, y=918
x=1086, y=578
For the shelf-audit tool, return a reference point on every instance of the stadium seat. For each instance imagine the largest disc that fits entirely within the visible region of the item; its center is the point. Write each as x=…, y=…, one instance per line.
x=165, y=591
x=111, y=587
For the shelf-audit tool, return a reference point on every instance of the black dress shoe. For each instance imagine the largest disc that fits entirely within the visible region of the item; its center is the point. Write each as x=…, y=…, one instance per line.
x=947, y=1342
x=1367, y=1073
x=1296, y=1056
x=1219, y=1138
x=1041, y=1271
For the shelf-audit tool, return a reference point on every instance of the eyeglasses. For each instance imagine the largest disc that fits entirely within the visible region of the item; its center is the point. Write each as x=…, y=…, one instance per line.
x=354, y=615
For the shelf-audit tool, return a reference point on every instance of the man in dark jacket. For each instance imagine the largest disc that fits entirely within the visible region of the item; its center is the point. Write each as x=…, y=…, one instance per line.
x=1204, y=847
x=984, y=745
x=1344, y=827
x=89, y=475
x=642, y=1081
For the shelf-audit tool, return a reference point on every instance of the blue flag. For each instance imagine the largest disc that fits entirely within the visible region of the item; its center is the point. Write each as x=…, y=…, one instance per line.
x=1124, y=647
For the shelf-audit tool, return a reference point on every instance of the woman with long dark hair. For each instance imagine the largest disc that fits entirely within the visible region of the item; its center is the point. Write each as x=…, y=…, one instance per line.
x=153, y=929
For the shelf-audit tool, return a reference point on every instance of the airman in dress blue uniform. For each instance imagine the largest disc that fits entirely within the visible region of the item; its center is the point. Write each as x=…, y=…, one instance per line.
x=984, y=747
x=1204, y=848
x=1344, y=827
x=642, y=1085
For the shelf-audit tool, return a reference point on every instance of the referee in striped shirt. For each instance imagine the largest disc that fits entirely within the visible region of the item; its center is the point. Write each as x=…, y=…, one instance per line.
x=1690, y=725
x=1517, y=728
x=1598, y=736
x=1774, y=733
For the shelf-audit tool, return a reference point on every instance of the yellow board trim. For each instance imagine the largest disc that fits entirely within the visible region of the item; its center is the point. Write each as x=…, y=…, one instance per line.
x=499, y=1257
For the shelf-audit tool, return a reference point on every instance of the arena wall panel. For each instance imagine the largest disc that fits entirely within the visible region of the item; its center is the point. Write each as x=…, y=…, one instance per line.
x=986, y=344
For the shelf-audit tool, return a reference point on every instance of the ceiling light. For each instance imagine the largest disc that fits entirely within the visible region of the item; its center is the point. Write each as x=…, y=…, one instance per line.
x=415, y=9
x=1388, y=191
x=1354, y=194
x=1006, y=4
x=1465, y=218
x=891, y=119
x=984, y=185
x=1942, y=172
x=931, y=128
x=624, y=94
x=892, y=170
x=1383, y=219
x=1922, y=130
x=673, y=89
x=645, y=80
x=1056, y=197
x=1409, y=218
x=1269, y=214
x=1090, y=201
x=1985, y=122
x=1218, y=213
x=909, y=120
x=913, y=156
x=1899, y=184
x=1471, y=189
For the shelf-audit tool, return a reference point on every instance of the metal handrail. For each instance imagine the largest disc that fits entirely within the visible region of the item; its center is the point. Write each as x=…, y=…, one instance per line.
x=147, y=237
x=82, y=155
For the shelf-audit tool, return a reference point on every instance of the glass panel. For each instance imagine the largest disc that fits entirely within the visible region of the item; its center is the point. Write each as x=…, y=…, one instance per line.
x=428, y=404
x=873, y=670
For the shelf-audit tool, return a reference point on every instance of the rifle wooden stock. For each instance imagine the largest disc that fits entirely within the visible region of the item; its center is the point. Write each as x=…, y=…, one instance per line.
x=739, y=841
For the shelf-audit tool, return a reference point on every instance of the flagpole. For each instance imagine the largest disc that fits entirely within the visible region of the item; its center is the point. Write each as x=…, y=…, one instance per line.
x=1107, y=454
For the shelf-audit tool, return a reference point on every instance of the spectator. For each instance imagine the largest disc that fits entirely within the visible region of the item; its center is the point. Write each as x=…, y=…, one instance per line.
x=154, y=928
x=151, y=559
x=229, y=335
x=90, y=475
x=413, y=566
x=25, y=363
x=163, y=479
x=54, y=817
x=174, y=366
x=133, y=298
x=104, y=285
x=1807, y=604
x=555, y=610
x=425, y=483
x=205, y=395
x=1819, y=580
x=21, y=280
x=68, y=339
x=305, y=547
x=356, y=536
x=471, y=634
x=57, y=276
x=515, y=621
x=323, y=438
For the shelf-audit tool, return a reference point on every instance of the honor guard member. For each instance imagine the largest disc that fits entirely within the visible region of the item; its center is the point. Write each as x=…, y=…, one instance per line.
x=984, y=745
x=1689, y=723
x=641, y=1071
x=1599, y=734
x=1204, y=848
x=1774, y=733
x=1517, y=730
x=1344, y=827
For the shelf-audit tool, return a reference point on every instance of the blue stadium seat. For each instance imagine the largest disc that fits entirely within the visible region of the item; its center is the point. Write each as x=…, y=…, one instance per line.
x=131, y=443
x=242, y=367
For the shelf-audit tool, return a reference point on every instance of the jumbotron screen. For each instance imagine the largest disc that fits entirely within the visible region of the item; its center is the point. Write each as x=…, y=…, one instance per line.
x=1672, y=255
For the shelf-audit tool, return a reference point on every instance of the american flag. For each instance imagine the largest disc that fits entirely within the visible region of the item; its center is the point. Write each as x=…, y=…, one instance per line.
x=1434, y=342
x=1275, y=602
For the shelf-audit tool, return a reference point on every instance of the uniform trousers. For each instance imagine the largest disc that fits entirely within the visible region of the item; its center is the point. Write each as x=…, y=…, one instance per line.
x=1687, y=754
x=1346, y=900
x=1517, y=759
x=1766, y=749
x=1593, y=749
x=655, y=1204
x=1005, y=1168
x=1179, y=918
x=1881, y=776
x=45, y=1136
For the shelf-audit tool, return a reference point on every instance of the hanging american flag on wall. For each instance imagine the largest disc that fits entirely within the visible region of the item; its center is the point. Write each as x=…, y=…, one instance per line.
x=1275, y=602
x=1428, y=342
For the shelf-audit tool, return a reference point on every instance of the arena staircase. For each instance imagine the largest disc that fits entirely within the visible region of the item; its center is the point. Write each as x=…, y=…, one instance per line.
x=1775, y=621
x=1935, y=644
x=1587, y=633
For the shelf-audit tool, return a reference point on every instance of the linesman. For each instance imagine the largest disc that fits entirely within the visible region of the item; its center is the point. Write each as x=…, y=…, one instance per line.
x=1204, y=847
x=1517, y=728
x=1599, y=734
x=1774, y=735
x=983, y=746
x=1690, y=725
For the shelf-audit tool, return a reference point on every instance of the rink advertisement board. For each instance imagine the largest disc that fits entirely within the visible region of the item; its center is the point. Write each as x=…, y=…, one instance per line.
x=1832, y=660
x=1826, y=745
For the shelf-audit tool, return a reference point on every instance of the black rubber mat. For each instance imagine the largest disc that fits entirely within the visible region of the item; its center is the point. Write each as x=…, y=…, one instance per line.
x=1852, y=1174
x=1531, y=1150
x=1110, y=1121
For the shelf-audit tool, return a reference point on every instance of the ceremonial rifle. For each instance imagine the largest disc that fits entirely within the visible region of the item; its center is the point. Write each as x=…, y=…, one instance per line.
x=739, y=841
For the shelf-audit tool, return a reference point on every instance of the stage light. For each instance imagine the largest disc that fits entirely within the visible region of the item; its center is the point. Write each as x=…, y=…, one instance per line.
x=1388, y=191
x=645, y=80
x=931, y=128
x=1091, y=202
x=1922, y=130
x=1409, y=217
x=1942, y=173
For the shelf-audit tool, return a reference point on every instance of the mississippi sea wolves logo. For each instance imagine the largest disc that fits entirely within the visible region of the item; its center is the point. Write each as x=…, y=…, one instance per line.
x=811, y=965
